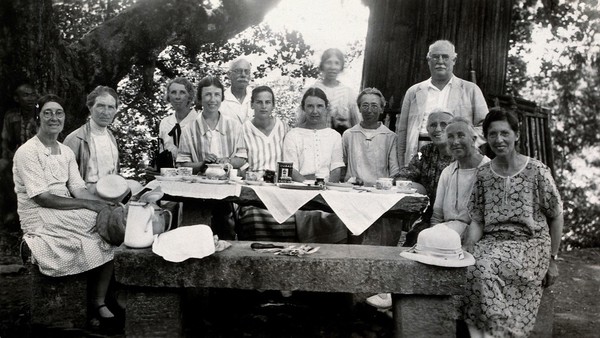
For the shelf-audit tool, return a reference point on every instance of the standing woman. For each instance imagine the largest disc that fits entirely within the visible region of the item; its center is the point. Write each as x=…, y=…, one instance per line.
x=180, y=94
x=58, y=214
x=343, y=111
x=515, y=231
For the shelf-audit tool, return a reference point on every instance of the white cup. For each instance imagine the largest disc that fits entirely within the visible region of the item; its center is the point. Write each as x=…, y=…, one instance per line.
x=384, y=183
x=168, y=172
x=233, y=174
x=403, y=184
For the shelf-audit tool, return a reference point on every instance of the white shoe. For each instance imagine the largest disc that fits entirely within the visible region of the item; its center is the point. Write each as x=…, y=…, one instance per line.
x=381, y=301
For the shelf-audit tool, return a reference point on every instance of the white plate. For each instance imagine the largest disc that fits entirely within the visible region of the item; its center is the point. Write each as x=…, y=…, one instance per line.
x=406, y=190
x=200, y=179
x=339, y=188
x=254, y=182
x=169, y=178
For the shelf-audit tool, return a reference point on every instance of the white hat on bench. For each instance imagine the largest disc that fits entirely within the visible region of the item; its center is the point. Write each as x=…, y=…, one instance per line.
x=439, y=245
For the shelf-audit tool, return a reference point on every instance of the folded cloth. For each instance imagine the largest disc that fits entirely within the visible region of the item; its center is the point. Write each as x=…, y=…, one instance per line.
x=194, y=241
x=197, y=190
x=110, y=224
x=283, y=203
x=359, y=211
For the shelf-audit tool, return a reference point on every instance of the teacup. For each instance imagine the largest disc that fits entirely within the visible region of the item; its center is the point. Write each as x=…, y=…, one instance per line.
x=384, y=183
x=184, y=171
x=254, y=175
x=403, y=184
x=168, y=172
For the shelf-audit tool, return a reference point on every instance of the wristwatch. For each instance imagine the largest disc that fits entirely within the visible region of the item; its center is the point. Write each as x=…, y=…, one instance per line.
x=554, y=257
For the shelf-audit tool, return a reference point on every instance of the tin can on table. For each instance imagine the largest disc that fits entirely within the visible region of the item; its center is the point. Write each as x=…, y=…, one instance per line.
x=284, y=172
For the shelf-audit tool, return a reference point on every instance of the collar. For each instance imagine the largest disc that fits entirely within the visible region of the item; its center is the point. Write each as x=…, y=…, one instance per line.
x=204, y=128
x=96, y=129
x=430, y=84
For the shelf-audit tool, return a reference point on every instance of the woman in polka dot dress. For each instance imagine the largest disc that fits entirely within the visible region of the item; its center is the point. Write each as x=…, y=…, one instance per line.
x=516, y=226
x=58, y=214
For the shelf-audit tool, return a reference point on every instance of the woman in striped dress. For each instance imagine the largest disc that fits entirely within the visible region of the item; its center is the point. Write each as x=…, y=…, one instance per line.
x=263, y=136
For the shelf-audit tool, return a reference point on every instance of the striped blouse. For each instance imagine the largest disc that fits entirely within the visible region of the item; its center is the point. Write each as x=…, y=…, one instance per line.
x=196, y=140
x=264, y=151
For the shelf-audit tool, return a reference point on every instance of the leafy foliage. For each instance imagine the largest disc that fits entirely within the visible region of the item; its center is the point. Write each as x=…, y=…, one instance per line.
x=567, y=82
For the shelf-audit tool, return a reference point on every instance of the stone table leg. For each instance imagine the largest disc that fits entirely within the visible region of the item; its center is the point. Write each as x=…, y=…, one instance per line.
x=424, y=316
x=153, y=312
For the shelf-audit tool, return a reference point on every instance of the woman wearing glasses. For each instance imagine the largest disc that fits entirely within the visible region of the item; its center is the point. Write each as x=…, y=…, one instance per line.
x=370, y=147
x=57, y=212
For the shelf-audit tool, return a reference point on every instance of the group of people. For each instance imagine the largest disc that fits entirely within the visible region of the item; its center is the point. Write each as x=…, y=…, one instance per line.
x=507, y=210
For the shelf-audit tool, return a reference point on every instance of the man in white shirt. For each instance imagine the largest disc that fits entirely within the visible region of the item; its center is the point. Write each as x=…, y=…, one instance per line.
x=236, y=101
x=441, y=90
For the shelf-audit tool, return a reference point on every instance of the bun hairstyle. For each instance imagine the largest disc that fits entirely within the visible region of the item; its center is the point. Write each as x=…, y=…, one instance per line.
x=42, y=101
x=188, y=86
x=327, y=54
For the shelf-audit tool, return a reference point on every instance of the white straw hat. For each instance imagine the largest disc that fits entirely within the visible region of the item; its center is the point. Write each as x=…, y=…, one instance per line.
x=439, y=245
x=177, y=245
x=112, y=187
x=135, y=186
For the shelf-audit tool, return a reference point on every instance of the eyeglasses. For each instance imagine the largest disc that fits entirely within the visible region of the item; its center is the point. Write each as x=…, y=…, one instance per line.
x=48, y=114
x=366, y=106
x=241, y=71
x=445, y=57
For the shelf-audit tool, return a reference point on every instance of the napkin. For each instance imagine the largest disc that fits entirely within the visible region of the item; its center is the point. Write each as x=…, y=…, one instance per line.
x=359, y=211
x=194, y=241
x=283, y=203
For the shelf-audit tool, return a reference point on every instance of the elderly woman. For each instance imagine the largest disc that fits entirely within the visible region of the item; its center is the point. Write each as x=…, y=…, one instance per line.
x=180, y=94
x=426, y=167
x=315, y=151
x=370, y=147
x=457, y=179
x=58, y=214
x=94, y=145
x=343, y=111
x=263, y=136
x=515, y=231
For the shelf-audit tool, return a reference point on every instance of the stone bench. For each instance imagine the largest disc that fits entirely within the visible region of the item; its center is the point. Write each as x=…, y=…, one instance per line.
x=423, y=296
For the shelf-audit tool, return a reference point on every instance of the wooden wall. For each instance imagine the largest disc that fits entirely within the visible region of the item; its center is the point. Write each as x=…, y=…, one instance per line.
x=400, y=32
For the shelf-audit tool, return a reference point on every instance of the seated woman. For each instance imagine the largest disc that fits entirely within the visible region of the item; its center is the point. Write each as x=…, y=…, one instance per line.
x=343, y=112
x=213, y=138
x=514, y=235
x=456, y=181
x=426, y=167
x=369, y=147
x=180, y=94
x=58, y=214
x=263, y=136
x=94, y=145
x=315, y=151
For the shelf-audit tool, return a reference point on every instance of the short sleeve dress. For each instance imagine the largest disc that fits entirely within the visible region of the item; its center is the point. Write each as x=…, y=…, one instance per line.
x=512, y=258
x=62, y=242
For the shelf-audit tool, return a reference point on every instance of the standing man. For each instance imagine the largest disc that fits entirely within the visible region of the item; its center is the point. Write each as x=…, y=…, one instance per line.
x=442, y=90
x=94, y=145
x=236, y=100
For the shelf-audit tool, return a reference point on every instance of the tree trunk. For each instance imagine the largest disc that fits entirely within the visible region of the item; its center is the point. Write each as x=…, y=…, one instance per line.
x=400, y=32
x=31, y=48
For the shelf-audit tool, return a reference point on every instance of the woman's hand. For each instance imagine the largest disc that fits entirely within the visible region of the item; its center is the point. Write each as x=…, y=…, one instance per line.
x=211, y=158
x=96, y=205
x=551, y=275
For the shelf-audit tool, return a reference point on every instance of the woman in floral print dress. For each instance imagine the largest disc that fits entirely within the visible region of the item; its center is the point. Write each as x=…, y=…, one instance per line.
x=514, y=234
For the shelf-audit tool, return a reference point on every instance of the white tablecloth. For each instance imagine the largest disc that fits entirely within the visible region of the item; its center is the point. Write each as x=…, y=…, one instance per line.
x=358, y=210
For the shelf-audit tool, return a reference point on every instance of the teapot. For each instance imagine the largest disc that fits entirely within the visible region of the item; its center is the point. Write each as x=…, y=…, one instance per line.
x=159, y=224
x=138, y=231
x=217, y=170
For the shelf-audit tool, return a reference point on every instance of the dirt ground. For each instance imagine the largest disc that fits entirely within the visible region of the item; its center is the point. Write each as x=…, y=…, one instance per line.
x=577, y=309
